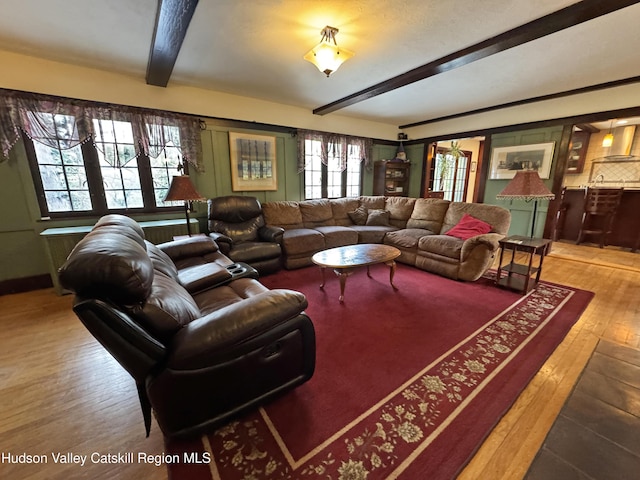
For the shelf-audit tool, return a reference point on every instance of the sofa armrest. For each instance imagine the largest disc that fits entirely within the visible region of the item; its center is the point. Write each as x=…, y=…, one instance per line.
x=271, y=233
x=224, y=242
x=488, y=240
x=189, y=247
x=211, y=337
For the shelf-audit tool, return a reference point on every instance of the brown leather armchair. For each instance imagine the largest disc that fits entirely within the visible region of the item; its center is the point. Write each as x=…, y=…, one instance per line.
x=237, y=225
x=203, y=340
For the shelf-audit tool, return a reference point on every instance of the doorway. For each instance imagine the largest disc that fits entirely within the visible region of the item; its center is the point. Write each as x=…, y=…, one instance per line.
x=450, y=169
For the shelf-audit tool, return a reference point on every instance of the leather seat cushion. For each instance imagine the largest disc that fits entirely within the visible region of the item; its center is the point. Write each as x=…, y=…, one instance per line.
x=254, y=251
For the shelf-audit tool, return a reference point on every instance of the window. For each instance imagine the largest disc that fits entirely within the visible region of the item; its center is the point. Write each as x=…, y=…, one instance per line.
x=450, y=174
x=331, y=180
x=103, y=176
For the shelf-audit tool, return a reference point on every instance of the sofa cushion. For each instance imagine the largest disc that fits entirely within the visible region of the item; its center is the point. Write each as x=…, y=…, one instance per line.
x=375, y=202
x=441, y=245
x=379, y=218
x=359, y=215
x=428, y=213
x=368, y=234
x=316, y=213
x=400, y=209
x=499, y=218
x=341, y=208
x=406, y=238
x=285, y=214
x=468, y=227
x=302, y=240
x=337, y=236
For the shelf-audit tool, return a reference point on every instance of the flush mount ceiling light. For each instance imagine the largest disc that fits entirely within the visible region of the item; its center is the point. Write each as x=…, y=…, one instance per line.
x=327, y=56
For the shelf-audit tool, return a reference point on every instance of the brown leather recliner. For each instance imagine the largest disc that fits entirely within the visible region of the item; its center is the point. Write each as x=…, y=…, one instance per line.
x=203, y=340
x=236, y=223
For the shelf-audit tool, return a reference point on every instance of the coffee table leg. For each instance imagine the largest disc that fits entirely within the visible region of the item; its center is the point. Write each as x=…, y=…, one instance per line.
x=392, y=271
x=342, y=274
x=322, y=273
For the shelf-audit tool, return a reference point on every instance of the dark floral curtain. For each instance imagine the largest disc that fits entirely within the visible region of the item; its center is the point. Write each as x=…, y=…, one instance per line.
x=65, y=123
x=335, y=146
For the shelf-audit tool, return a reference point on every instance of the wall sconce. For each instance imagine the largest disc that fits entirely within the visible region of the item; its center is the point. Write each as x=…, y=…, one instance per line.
x=607, y=141
x=327, y=56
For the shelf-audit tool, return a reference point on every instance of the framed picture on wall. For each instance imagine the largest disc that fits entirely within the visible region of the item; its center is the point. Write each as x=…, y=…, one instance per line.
x=506, y=161
x=253, y=162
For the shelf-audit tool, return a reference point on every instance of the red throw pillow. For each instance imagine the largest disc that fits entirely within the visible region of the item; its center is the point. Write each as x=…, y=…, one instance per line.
x=468, y=227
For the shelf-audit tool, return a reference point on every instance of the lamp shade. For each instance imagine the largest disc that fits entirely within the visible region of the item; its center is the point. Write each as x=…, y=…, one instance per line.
x=526, y=185
x=182, y=189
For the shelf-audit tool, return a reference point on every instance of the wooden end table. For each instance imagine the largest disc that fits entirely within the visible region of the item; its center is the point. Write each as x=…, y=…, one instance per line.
x=344, y=260
x=519, y=275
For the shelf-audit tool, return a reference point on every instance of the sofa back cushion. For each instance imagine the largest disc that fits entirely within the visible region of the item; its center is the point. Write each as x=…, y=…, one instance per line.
x=161, y=261
x=341, y=208
x=285, y=214
x=375, y=202
x=399, y=209
x=499, y=218
x=428, y=214
x=316, y=213
x=109, y=264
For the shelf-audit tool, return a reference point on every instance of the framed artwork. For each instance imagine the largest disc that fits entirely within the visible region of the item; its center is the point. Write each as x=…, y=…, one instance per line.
x=253, y=162
x=506, y=161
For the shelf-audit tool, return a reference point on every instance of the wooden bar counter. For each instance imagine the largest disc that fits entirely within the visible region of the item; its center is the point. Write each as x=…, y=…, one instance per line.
x=626, y=225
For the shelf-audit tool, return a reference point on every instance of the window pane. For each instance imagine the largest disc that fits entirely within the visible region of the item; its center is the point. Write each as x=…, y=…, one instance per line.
x=115, y=199
x=81, y=200
x=47, y=155
x=76, y=178
x=58, y=201
x=52, y=177
x=134, y=198
x=111, y=177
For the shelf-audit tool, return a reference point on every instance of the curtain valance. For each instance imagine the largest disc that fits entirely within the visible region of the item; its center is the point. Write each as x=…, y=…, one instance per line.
x=334, y=145
x=64, y=123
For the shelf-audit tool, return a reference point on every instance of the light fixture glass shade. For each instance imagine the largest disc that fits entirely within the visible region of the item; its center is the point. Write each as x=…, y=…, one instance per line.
x=607, y=141
x=327, y=56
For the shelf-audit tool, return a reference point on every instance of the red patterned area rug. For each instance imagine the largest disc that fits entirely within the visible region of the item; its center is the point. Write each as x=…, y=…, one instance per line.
x=408, y=382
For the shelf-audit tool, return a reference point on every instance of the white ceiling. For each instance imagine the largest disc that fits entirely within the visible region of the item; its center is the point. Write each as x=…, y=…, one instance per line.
x=254, y=48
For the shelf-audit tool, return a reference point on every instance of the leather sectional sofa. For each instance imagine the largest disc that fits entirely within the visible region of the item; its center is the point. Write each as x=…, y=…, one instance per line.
x=203, y=339
x=418, y=227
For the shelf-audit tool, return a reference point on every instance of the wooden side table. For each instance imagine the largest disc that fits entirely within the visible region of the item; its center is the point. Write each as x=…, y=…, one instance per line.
x=518, y=276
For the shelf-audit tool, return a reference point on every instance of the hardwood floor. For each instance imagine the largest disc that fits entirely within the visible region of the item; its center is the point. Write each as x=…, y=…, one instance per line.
x=62, y=392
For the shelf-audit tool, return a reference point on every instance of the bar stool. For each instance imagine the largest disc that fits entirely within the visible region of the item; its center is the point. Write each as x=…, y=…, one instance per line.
x=600, y=206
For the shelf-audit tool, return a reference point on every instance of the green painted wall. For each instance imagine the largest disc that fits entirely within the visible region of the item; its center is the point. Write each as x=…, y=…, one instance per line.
x=23, y=252
x=521, y=211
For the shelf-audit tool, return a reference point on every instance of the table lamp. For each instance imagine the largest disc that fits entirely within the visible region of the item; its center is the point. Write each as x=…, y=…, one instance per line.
x=527, y=185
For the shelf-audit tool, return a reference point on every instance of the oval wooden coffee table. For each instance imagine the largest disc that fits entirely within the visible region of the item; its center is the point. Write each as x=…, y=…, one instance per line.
x=344, y=260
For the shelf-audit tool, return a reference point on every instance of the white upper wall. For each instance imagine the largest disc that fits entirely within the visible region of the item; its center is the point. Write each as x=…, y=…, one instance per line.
x=21, y=72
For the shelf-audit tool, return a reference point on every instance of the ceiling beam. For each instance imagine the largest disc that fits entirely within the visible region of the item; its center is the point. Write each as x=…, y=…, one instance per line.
x=554, y=22
x=517, y=103
x=172, y=21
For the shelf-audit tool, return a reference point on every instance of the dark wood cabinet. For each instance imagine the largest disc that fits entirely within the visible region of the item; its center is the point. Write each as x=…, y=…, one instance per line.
x=391, y=178
x=577, y=151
